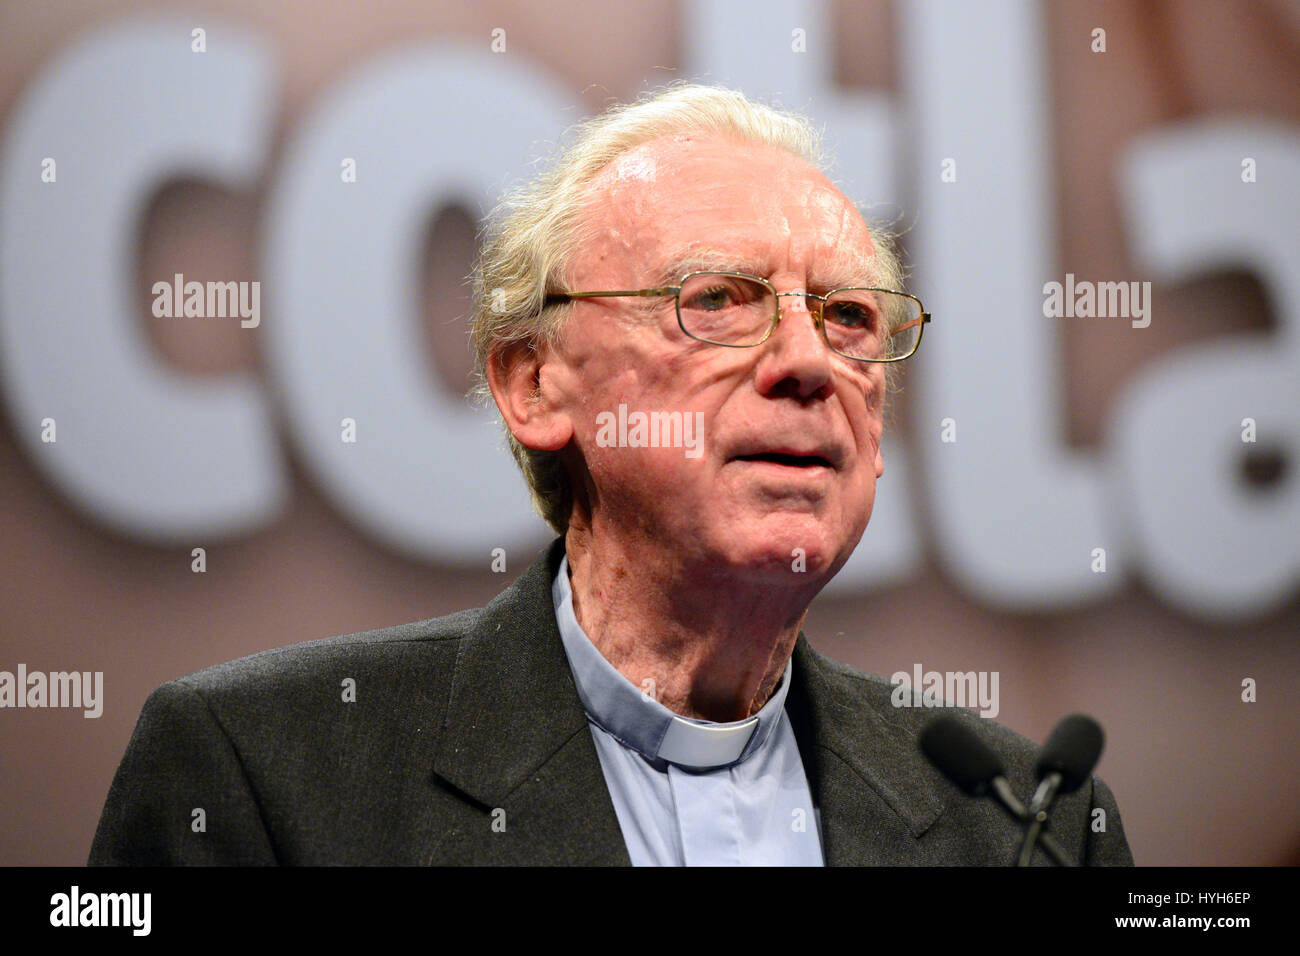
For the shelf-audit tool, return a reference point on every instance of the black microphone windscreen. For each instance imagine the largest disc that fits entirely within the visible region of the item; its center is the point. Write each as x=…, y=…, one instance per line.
x=1072, y=751
x=962, y=757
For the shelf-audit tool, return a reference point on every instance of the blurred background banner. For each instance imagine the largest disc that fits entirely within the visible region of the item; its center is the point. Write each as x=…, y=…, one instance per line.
x=234, y=242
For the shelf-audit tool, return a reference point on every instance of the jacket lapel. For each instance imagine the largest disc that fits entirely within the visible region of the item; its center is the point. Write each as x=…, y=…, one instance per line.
x=874, y=791
x=515, y=740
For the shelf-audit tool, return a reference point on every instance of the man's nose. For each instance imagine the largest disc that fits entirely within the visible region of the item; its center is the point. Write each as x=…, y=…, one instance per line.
x=797, y=350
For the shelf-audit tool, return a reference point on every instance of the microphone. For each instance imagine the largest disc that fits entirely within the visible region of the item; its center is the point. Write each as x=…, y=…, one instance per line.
x=1072, y=751
x=968, y=762
x=1066, y=762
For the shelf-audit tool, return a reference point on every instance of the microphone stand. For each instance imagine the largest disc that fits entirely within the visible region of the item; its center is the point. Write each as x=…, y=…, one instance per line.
x=1036, y=818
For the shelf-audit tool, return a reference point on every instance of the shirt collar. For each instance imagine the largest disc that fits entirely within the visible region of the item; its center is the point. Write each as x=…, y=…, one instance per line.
x=633, y=717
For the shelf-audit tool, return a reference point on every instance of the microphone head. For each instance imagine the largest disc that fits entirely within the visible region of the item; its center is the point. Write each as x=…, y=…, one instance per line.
x=1072, y=751
x=959, y=754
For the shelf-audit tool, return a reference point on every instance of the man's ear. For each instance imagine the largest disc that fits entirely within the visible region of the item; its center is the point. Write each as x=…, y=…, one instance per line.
x=520, y=378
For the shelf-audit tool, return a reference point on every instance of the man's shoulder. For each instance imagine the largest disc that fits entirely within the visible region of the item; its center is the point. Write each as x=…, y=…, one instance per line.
x=432, y=640
x=906, y=710
x=323, y=695
x=388, y=676
x=393, y=653
x=288, y=746
x=887, y=720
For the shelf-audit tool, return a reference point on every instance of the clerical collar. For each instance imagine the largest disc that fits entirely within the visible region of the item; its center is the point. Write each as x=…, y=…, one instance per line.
x=633, y=717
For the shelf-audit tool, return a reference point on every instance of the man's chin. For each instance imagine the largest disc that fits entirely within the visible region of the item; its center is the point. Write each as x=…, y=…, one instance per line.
x=785, y=556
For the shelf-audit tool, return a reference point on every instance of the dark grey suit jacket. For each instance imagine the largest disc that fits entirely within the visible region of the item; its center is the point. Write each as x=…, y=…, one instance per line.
x=476, y=712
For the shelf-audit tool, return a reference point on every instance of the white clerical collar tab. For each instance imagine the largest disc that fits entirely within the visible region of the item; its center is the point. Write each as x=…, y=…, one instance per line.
x=699, y=745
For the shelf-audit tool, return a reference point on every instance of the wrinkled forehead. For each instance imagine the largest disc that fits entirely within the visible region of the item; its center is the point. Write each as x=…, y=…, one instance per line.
x=760, y=203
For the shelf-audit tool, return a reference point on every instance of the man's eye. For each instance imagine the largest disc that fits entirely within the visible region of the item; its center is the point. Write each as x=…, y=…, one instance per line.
x=850, y=315
x=711, y=300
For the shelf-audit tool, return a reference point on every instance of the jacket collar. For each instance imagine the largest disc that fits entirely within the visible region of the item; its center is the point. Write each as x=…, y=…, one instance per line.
x=515, y=737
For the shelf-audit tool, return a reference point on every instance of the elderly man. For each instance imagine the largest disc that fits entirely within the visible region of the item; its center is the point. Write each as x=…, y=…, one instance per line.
x=687, y=330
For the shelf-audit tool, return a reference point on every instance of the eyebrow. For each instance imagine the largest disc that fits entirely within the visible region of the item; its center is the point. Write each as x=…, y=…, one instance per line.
x=842, y=271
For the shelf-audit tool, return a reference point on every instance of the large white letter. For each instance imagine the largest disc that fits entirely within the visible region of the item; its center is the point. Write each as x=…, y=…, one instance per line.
x=1208, y=542
x=427, y=475
x=140, y=446
x=1016, y=514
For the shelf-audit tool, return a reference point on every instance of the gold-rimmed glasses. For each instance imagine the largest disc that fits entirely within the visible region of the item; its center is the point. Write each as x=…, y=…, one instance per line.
x=738, y=310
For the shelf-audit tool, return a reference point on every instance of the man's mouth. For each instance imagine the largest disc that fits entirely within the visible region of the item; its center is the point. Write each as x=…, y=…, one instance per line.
x=789, y=459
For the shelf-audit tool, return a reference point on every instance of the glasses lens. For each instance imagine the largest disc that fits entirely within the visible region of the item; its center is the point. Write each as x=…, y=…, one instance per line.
x=725, y=309
x=873, y=325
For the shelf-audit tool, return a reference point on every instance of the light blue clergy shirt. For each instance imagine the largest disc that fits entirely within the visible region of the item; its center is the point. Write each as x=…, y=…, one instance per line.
x=692, y=792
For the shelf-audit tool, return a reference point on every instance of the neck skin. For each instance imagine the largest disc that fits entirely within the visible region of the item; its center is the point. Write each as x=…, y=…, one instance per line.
x=715, y=647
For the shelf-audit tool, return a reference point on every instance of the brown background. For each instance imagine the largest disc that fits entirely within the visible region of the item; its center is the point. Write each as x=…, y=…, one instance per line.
x=1200, y=777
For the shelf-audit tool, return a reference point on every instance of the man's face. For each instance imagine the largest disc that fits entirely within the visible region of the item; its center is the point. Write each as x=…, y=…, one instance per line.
x=697, y=202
